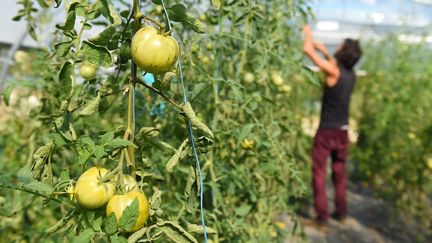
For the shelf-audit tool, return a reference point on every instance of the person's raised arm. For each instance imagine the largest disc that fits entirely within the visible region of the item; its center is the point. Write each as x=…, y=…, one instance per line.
x=328, y=65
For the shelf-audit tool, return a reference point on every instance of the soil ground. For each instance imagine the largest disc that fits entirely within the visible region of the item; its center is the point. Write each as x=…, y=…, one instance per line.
x=370, y=221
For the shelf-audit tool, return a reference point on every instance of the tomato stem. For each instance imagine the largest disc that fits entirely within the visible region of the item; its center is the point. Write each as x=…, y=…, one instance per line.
x=139, y=81
x=160, y=26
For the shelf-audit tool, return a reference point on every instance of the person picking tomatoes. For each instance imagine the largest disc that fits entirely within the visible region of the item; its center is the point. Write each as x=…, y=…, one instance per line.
x=331, y=139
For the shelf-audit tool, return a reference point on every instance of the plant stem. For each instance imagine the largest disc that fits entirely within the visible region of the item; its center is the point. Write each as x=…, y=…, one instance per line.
x=19, y=188
x=139, y=81
x=130, y=155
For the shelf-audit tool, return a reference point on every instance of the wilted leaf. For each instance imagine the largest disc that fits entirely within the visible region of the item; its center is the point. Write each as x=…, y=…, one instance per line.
x=175, y=232
x=199, y=229
x=91, y=107
x=109, y=93
x=120, y=143
x=195, y=121
x=175, y=159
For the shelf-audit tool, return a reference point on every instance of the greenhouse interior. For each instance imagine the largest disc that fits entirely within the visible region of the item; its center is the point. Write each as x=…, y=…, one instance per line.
x=216, y=121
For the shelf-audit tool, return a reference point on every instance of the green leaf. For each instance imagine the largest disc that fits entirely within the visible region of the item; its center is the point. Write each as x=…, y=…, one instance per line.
x=58, y=2
x=120, y=143
x=7, y=91
x=103, y=7
x=39, y=186
x=178, y=13
x=129, y=215
x=84, y=157
x=118, y=239
x=216, y=4
x=43, y=3
x=97, y=55
x=99, y=152
x=25, y=175
x=84, y=236
x=91, y=107
x=93, y=14
x=70, y=22
x=107, y=137
x=64, y=175
x=111, y=224
x=87, y=26
x=66, y=78
x=310, y=75
x=104, y=37
x=243, y=210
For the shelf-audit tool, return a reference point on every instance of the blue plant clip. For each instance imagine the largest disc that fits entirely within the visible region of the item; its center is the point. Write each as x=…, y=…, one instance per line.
x=148, y=78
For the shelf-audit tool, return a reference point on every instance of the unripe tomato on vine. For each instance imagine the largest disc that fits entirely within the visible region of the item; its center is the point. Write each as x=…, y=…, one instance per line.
x=90, y=191
x=153, y=52
x=88, y=70
x=118, y=203
x=276, y=78
x=249, y=77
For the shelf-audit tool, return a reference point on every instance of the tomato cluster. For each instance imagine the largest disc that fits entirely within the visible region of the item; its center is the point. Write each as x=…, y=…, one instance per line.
x=93, y=190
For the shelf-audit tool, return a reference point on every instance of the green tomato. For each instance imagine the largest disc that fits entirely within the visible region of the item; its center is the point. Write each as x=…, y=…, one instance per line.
x=209, y=46
x=22, y=57
x=277, y=79
x=153, y=52
x=249, y=77
x=118, y=203
x=90, y=192
x=286, y=88
x=88, y=71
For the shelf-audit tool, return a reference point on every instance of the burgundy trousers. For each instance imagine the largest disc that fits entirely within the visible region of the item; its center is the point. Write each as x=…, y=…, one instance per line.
x=333, y=143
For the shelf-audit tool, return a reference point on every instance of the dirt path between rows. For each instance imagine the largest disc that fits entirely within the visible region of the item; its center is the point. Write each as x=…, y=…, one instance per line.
x=369, y=221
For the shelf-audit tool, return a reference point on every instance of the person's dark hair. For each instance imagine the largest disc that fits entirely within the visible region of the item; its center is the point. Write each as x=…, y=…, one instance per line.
x=349, y=54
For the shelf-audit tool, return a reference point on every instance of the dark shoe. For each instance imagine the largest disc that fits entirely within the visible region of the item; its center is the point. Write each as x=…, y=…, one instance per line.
x=322, y=226
x=339, y=217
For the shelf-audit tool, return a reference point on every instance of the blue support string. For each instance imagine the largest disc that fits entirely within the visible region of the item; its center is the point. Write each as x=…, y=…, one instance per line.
x=191, y=137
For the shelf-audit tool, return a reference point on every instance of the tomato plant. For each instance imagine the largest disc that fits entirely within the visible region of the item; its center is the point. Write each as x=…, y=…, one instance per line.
x=140, y=131
x=393, y=146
